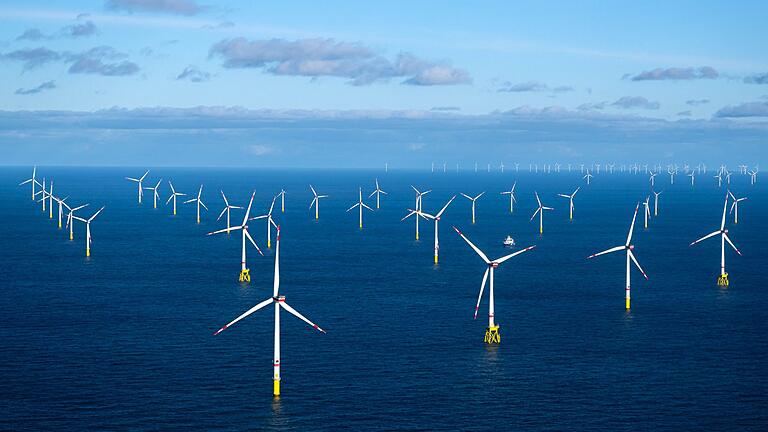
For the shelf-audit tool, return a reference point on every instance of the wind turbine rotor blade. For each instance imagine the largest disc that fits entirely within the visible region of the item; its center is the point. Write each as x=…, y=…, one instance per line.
x=725, y=206
x=472, y=245
x=248, y=209
x=482, y=288
x=247, y=234
x=222, y=213
x=295, y=313
x=366, y=206
x=535, y=213
x=440, y=213
x=408, y=215
x=613, y=249
x=537, y=198
x=504, y=258
x=466, y=196
x=712, y=234
x=313, y=190
x=632, y=226
x=728, y=239
x=202, y=204
x=634, y=260
x=191, y=200
x=248, y=312
x=96, y=214
x=353, y=206
x=481, y=194
x=132, y=179
x=314, y=200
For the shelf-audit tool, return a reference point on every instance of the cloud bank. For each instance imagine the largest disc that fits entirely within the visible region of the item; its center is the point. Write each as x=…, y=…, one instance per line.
x=48, y=85
x=101, y=60
x=178, y=7
x=315, y=58
x=674, y=73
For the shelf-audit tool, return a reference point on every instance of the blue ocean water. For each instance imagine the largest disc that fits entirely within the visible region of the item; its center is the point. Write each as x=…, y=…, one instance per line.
x=123, y=340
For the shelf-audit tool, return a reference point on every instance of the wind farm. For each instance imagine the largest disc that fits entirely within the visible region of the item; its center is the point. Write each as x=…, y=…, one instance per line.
x=167, y=265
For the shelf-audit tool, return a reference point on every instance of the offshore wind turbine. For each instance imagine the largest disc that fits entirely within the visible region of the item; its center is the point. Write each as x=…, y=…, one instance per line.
x=173, y=196
x=735, y=206
x=378, y=193
x=61, y=207
x=270, y=221
x=417, y=213
x=492, y=335
x=282, y=200
x=71, y=214
x=419, y=202
x=32, y=180
x=656, y=202
x=652, y=177
x=570, y=198
x=646, y=211
x=722, y=280
x=227, y=208
x=436, y=218
x=155, y=194
x=540, y=211
x=139, y=181
x=628, y=247
x=473, y=199
x=692, y=176
x=360, y=204
x=316, y=202
x=88, y=239
x=245, y=272
x=197, y=200
x=512, y=199
x=279, y=302
x=588, y=176
x=43, y=193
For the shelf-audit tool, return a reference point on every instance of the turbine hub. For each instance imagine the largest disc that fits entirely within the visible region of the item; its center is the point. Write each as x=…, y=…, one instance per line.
x=631, y=247
x=494, y=264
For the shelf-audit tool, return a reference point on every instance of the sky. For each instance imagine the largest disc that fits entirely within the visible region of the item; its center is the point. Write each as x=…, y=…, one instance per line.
x=342, y=84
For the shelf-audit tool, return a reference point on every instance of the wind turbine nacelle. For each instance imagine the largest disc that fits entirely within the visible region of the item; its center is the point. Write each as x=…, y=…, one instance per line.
x=725, y=231
x=631, y=247
x=494, y=264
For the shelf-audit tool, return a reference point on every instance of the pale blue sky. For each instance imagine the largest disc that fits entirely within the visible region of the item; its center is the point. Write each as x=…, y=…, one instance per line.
x=692, y=65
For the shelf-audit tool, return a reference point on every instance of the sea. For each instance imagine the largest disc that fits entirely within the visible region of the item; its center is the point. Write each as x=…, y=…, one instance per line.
x=123, y=339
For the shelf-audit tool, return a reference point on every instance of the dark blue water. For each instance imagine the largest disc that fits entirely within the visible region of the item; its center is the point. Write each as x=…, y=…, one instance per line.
x=123, y=339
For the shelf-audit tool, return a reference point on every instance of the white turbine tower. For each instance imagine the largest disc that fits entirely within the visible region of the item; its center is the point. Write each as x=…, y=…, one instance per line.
x=280, y=303
x=570, y=199
x=139, y=180
x=656, y=202
x=155, y=194
x=245, y=273
x=197, y=200
x=378, y=193
x=270, y=221
x=735, y=206
x=227, y=208
x=62, y=203
x=436, y=218
x=360, y=204
x=540, y=212
x=88, y=238
x=282, y=200
x=43, y=193
x=32, y=180
x=492, y=335
x=628, y=247
x=722, y=280
x=173, y=196
x=693, y=177
x=316, y=202
x=71, y=214
x=512, y=199
x=419, y=202
x=474, y=200
x=646, y=211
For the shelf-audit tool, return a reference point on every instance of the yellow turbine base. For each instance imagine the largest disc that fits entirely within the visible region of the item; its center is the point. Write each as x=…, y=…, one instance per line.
x=492, y=336
x=174, y=212
x=541, y=230
x=198, y=220
x=361, y=226
x=87, y=252
x=627, y=303
x=435, y=259
x=276, y=387
x=245, y=275
x=70, y=236
x=59, y=225
x=722, y=280
x=269, y=243
x=417, y=236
